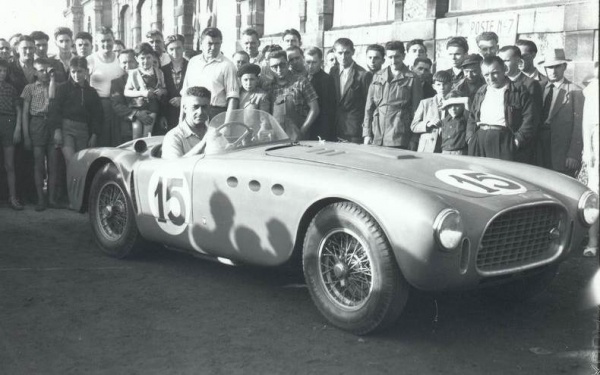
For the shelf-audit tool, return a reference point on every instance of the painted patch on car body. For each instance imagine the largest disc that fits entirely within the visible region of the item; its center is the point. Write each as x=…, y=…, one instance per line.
x=170, y=200
x=480, y=182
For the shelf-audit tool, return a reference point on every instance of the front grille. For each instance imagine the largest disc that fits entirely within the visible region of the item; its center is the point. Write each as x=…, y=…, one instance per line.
x=519, y=237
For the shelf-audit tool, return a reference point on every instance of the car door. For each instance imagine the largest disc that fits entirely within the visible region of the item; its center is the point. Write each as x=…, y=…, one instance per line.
x=164, y=199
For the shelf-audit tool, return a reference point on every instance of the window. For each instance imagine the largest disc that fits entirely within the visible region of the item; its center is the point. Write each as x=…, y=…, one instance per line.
x=352, y=12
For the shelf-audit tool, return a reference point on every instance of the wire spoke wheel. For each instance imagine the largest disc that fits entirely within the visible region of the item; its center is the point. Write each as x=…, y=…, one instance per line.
x=112, y=211
x=345, y=269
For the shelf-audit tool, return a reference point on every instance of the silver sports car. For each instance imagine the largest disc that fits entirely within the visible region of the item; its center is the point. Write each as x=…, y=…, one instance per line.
x=366, y=223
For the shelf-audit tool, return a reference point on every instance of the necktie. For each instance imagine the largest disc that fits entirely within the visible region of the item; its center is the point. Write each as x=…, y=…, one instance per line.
x=548, y=102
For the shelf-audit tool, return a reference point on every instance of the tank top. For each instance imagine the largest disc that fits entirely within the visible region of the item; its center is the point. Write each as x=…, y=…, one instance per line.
x=102, y=73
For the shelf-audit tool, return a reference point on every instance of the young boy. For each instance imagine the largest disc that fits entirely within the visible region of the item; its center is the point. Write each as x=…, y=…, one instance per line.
x=76, y=112
x=454, y=124
x=145, y=88
x=10, y=131
x=251, y=96
x=36, y=132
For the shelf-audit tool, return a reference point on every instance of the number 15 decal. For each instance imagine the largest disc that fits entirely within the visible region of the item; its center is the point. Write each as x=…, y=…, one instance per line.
x=170, y=201
x=480, y=182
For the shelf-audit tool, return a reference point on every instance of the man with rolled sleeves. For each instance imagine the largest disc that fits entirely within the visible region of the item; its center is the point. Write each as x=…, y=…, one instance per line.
x=214, y=71
x=560, y=137
x=501, y=121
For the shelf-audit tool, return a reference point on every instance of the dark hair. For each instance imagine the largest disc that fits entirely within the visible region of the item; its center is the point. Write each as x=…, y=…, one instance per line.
x=25, y=38
x=41, y=61
x=489, y=60
x=278, y=55
x=458, y=41
x=376, y=48
x=119, y=42
x=144, y=49
x=199, y=91
x=515, y=50
x=395, y=45
x=105, y=30
x=127, y=51
x=295, y=48
x=531, y=46
x=423, y=60
x=292, y=32
x=344, y=42
x=314, y=51
x=241, y=52
x=84, y=35
x=332, y=50
x=78, y=62
x=487, y=35
x=63, y=31
x=153, y=33
x=249, y=69
x=418, y=42
x=174, y=38
x=442, y=76
x=250, y=32
x=39, y=35
x=271, y=48
x=213, y=32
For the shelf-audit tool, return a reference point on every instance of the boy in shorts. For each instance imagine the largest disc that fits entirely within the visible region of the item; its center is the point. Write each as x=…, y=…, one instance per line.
x=36, y=133
x=76, y=112
x=145, y=88
x=10, y=131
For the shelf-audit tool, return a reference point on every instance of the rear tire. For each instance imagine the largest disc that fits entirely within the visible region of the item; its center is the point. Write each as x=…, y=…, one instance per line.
x=351, y=271
x=112, y=215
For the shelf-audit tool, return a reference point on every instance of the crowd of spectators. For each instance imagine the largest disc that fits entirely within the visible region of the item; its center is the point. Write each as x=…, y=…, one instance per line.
x=494, y=102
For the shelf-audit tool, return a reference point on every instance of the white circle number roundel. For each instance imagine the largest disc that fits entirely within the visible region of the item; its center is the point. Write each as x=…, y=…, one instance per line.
x=480, y=182
x=170, y=201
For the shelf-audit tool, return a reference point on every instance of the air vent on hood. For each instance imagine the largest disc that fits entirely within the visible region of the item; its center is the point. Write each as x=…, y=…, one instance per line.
x=325, y=151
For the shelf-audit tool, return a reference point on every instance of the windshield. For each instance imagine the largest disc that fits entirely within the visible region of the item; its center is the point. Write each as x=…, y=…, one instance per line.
x=242, y=128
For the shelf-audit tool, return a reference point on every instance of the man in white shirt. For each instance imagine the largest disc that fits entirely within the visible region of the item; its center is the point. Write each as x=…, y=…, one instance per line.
x=192, y=128
x=213, y=70
x=502, y=122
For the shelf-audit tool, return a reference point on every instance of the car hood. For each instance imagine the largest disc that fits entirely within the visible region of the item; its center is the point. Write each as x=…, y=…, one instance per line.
x=468, y=176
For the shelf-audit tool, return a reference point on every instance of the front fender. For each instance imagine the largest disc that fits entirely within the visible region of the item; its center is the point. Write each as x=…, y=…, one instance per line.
x=84, y=166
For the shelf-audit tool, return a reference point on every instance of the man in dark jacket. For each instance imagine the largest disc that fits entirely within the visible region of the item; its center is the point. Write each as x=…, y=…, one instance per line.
x=472, y=80
x=323, y=127
x=351, y=86
x=501, y=122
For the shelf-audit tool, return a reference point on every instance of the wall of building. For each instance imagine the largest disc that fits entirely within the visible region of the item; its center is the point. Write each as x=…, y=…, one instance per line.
x=568, y=24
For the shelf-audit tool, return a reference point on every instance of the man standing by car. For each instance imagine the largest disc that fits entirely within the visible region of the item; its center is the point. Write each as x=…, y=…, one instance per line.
x=502, y=116
x=192, y=128
x=393, y=98
x=213, y=70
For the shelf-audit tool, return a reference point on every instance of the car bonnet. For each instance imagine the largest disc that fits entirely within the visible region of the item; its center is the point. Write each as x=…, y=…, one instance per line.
x=460, y=174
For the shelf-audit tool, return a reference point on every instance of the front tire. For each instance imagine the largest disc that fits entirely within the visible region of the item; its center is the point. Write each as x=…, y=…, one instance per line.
x=112, y=215
x=351, y=271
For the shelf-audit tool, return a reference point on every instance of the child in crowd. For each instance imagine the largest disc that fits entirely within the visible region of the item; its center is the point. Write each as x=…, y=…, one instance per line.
x=145, y=88
x=76, y=113
x=454, y=124
x=10, y=131
x=36, y=132
x=251, y=96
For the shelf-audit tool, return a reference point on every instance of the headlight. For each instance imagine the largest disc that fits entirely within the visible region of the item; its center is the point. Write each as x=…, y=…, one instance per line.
x=588, y=207
x=449, y=228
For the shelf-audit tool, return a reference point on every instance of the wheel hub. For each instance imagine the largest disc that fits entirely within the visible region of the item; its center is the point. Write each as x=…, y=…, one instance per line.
x=340, y=270
x=108, y=211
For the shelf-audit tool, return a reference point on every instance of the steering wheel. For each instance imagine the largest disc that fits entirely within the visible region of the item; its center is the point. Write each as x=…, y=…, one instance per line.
x=237, y=142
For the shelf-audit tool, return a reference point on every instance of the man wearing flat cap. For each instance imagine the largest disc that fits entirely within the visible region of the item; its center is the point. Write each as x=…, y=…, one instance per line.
x=472, y=80
x=560, y=136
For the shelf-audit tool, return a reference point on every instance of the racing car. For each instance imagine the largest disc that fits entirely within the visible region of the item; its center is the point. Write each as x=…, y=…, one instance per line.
x=366, y=224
